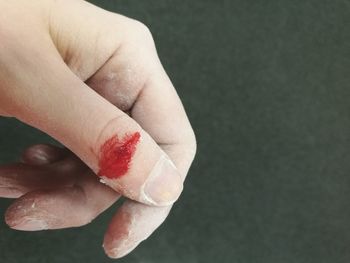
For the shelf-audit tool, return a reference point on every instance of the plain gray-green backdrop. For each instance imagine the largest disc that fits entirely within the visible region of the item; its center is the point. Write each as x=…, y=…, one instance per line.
x=266, y=85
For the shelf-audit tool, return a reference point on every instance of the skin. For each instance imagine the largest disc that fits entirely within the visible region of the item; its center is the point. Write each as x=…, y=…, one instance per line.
x=88, y=75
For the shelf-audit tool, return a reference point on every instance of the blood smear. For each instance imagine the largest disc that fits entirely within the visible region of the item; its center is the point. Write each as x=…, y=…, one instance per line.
x=116, y=155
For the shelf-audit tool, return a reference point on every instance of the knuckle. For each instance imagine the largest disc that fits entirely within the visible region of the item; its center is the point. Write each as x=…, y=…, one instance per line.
x=142, y=29
x=189, y=146
x=130, y=30
x=141, y=33
x=192, y=145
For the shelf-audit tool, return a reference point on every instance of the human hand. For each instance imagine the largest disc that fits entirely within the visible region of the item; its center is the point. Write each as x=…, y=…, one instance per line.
x=64, y=77
x=56, y=190
x=44, y=63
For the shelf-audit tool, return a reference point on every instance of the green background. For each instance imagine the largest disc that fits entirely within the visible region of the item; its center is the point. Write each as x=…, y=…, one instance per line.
x=266, y=86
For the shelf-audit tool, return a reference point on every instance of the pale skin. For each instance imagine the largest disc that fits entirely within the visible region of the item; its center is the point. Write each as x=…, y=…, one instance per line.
x=82, y=75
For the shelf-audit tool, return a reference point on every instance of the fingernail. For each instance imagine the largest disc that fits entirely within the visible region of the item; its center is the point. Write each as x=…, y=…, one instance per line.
x=42, y=156
x=35, y=156
x=164, y=184
x=31, y=224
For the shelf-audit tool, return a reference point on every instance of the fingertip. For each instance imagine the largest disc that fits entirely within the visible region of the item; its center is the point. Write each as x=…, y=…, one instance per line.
x=14, y=212
x=119, y=253
x=118, y=240
x=10, y=192
x=133, y=223
x=163, y=185
x=30, y=224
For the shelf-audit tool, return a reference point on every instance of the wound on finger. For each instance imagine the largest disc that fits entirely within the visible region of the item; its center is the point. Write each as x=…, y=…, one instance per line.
x=116, y=155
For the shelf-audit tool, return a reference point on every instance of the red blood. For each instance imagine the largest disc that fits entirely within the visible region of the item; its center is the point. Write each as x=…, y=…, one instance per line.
x=116, y=155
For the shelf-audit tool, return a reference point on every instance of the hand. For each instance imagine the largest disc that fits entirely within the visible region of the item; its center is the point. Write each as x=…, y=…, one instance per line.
x=63, y=78
x=56, y=190
x=44, y=63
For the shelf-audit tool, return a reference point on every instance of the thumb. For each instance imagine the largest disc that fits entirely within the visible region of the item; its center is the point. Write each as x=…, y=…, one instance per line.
x=54, y=100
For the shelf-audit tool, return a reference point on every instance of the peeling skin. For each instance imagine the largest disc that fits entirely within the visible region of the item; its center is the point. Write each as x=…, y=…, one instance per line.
x=28, y=210
x=102, y=181
x=133, y=224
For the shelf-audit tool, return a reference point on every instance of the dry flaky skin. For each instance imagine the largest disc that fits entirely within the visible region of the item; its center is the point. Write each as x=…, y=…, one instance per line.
x=78, y=195
x=82, y=93
x=133, y=223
